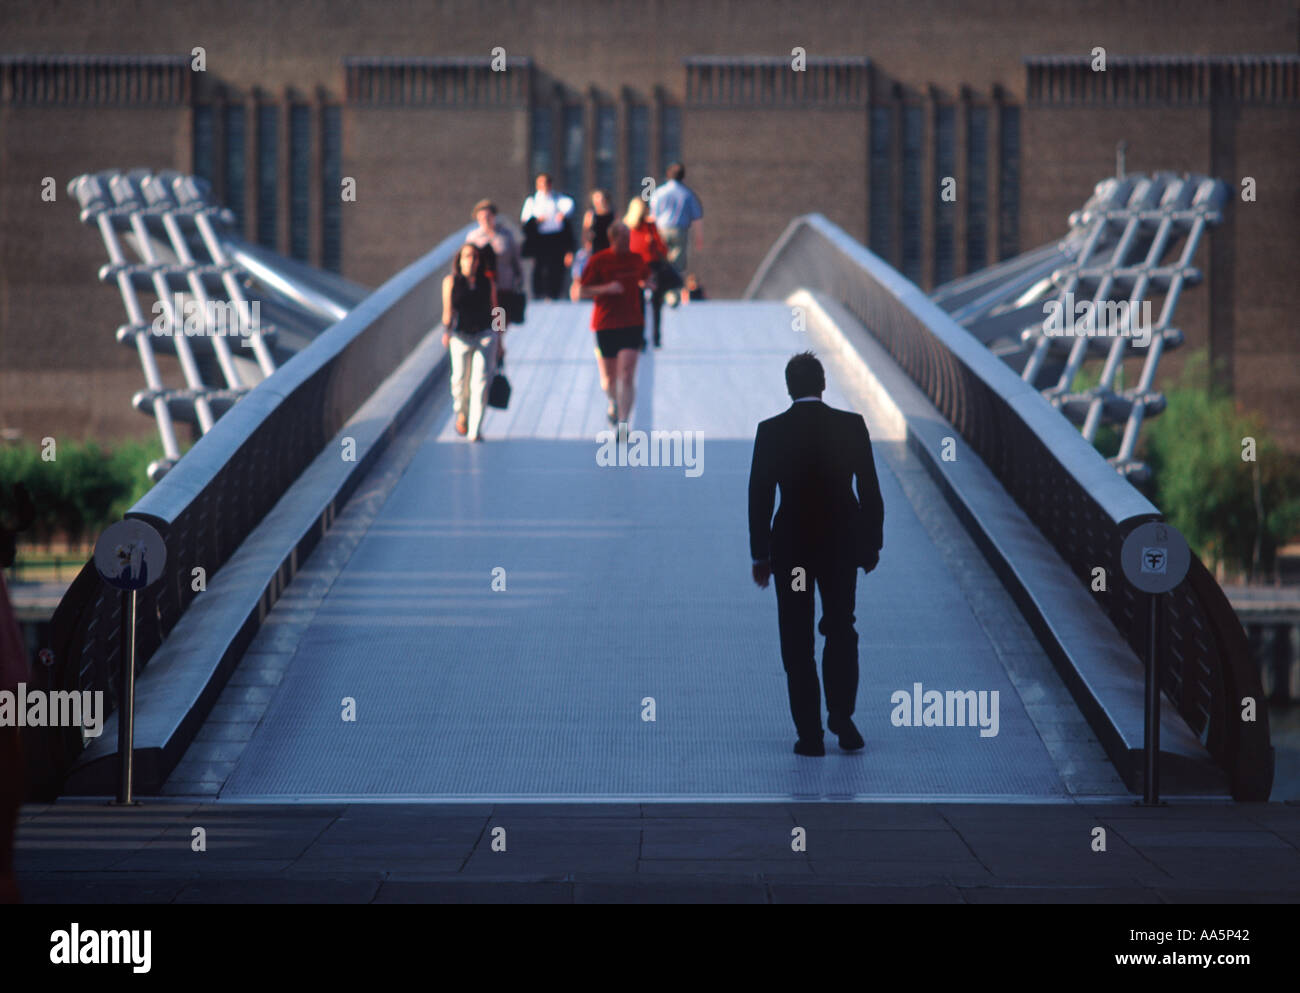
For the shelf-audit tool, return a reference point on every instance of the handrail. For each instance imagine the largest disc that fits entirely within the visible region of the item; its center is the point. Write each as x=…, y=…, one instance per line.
x=225, y=485
x=1082, y=506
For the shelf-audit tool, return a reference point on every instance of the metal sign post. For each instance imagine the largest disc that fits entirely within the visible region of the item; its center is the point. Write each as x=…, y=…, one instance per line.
x=129, y=555
x=1154, y=558
x=126, y=700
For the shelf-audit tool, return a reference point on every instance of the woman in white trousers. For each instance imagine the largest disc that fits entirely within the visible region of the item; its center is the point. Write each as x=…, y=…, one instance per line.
x=469, y=309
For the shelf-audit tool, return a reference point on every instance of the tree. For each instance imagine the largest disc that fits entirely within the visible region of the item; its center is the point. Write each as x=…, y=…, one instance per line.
x=1233, y=510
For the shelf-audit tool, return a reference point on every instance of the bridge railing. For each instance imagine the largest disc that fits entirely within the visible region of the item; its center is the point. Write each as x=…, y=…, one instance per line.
x=225, y=485
x=1082, y=506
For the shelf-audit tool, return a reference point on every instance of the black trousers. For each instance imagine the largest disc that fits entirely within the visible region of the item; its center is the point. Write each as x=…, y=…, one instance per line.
x=549, y=270
x=656, y=310
x=837, y=582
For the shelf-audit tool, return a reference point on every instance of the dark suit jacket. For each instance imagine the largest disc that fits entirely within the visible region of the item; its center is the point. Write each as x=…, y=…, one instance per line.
x=813, y=453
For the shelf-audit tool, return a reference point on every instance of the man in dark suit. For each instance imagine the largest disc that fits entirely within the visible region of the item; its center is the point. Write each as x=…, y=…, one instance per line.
x=822, y=535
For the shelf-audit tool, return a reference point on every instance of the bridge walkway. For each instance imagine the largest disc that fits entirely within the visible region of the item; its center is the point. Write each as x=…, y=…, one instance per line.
x=620, y=584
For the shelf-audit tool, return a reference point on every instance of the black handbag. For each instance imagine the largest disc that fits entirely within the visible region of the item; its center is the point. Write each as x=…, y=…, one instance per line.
x=499, y=391
x=663, y=277
x=514, y=304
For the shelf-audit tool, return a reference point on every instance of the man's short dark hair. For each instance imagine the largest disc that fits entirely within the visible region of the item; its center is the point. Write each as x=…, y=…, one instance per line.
x=676, y=171
x=804, y=376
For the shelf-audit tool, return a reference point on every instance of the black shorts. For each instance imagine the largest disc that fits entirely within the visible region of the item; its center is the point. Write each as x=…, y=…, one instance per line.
x=610, y=343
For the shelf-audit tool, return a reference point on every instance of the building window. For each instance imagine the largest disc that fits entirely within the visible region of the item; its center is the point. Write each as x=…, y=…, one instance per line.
x=331, y=190
x=638, y=148
x=670, y=138
x=606, y=150
x=299, y=181
x=1009, y=184
x=204, y=143
x=911, y=194
x=882, y=201
x=945, y=166
x=234, y=193
x=268, y=153
x=543, y=137
x=574, y=147
x=977, y=207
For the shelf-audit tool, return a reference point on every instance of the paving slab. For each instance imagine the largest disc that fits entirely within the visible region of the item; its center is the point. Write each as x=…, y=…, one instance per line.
x=82, y=853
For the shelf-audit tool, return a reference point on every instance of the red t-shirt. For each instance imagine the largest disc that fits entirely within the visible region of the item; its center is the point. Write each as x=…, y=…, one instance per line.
x=617, y=310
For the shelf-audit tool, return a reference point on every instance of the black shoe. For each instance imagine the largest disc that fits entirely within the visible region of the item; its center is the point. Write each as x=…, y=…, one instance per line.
x=809, y=746
x=850, y=740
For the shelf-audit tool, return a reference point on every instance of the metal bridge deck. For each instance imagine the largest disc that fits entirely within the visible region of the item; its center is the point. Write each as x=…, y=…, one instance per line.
x=621, y=584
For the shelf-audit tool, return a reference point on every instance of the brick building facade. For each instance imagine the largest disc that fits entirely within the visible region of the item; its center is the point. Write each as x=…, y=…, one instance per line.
x=405, y=99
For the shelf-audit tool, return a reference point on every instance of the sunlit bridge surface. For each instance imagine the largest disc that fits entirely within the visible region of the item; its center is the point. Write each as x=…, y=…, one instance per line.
x=621, y=583
x=396, y=613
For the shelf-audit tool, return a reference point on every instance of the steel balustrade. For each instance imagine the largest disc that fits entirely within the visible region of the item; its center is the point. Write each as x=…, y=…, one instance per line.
x=1066, y=488
x=214, y=497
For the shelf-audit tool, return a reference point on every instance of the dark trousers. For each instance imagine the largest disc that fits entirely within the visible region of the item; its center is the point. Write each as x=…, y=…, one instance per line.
x=837, y=582
x=549, y=269
x=656, y=309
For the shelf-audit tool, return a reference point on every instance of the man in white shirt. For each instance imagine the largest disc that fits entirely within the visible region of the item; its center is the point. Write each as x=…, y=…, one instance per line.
x=675, y=208
x=546, y=228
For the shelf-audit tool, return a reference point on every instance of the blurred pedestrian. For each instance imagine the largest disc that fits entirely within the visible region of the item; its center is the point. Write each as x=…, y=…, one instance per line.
x=598, y=219
x=613, y=278
x=675, y=208
x=645, y=241
x=501, y=261
x=580, y=260
x=546, y=230
x=694, y=289
x=468, y=301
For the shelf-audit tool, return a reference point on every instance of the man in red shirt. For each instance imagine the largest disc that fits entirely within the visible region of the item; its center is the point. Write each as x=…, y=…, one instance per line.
x=614, y=278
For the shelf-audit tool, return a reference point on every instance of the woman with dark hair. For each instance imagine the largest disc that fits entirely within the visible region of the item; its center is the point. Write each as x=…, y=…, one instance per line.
x=469, y=299
x=597, y=221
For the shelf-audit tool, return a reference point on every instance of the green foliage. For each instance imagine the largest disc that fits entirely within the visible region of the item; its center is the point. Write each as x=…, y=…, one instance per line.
x=1233, y=512
x=1109, y=436
x=83, y=490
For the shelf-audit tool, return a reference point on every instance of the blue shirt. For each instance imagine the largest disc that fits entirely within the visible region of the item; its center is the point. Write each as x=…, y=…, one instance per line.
x=675, y=206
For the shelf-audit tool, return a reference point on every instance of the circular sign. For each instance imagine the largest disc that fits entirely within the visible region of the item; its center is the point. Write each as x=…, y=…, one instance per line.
x=1155, y=557
x=130, y=555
